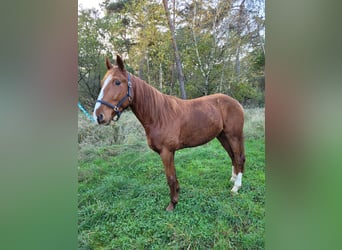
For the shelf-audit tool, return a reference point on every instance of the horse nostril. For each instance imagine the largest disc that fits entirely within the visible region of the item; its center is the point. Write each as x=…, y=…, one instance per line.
x=100, y=118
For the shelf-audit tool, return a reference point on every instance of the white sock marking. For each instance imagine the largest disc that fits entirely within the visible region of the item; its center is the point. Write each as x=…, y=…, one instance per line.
x=237, y=183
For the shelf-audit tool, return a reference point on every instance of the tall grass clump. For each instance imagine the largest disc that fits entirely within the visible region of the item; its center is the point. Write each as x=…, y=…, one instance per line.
x=254, y=123
x=91, y=137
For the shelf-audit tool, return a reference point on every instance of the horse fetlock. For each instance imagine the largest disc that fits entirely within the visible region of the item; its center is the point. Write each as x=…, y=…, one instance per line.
x=171, y=206
x=174, y=199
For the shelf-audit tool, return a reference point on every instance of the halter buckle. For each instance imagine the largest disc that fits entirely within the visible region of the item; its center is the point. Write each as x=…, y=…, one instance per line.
x=117, y=115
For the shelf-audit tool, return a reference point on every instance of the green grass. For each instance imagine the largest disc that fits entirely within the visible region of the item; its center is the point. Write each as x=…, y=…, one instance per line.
x=123, y=195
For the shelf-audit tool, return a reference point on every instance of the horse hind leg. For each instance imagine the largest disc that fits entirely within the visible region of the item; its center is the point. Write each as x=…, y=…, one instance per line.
x=225, y=144
x=239, y=161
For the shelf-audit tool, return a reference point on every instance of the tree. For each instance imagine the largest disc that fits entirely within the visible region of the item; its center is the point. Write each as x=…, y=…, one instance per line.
x=175, y=49
x=90, y=46
x=204, y=20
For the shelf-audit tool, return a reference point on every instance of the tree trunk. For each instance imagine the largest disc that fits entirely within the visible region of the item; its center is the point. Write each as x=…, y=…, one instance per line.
x=175, y=49
x=173, y=69
x=237, y=61
x=160, y=77
x=148, y=67
x=206, y=90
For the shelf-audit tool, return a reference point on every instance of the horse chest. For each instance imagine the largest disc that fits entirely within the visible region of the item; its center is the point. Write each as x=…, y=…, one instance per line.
x=159, y=138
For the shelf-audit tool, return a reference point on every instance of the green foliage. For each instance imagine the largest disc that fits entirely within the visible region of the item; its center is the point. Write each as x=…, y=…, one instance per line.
x=220, y=47
x=91, y=54
x=123, y=194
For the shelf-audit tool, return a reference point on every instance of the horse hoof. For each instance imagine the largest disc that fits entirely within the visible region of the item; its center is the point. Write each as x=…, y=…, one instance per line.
x=235, y=190
x=170, y=207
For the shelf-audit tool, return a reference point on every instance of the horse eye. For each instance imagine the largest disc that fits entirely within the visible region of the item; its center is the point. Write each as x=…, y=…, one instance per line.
x=117, y=82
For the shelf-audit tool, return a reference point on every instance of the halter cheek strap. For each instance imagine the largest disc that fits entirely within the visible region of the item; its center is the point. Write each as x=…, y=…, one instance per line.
x=118, y=106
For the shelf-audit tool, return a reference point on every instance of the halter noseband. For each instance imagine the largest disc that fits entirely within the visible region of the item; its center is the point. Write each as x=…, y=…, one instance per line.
x=117, y=106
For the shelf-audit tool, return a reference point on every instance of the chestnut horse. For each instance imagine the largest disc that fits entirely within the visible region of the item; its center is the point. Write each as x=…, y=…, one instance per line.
x=171, y=123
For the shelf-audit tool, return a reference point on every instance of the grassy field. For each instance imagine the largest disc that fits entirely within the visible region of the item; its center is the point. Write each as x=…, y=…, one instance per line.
x=123, y=192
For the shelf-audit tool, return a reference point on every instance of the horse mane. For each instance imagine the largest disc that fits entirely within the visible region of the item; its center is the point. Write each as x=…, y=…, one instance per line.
x=150, y=102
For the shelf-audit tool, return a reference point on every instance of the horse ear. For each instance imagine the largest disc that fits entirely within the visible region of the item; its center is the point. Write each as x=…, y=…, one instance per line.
x=120, y=63
x=108, y=64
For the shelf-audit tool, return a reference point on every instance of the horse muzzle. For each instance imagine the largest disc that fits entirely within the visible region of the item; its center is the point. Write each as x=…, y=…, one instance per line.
x=101, y=119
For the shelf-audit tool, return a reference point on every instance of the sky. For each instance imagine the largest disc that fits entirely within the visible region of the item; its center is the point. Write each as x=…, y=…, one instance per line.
x=90, y=3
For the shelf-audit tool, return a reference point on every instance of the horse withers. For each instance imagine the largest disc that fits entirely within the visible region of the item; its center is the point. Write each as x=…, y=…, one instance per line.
x=171, y=123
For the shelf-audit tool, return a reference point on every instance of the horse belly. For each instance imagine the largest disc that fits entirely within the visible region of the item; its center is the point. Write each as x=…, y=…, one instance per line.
x=197, y=138
x=200, y=129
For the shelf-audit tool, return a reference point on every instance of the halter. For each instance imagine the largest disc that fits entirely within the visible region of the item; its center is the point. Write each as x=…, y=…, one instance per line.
x=118, y=106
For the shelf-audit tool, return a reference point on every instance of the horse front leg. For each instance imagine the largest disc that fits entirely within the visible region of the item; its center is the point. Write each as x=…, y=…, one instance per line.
x=170, y=172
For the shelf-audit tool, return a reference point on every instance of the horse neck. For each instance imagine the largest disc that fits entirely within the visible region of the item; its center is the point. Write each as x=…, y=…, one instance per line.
x=140, y=102
x=144, y=105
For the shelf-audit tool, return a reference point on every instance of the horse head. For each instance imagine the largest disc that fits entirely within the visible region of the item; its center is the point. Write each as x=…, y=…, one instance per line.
x=116, y=93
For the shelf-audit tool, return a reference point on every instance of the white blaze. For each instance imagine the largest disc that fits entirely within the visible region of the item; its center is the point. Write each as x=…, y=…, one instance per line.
x=97, y=105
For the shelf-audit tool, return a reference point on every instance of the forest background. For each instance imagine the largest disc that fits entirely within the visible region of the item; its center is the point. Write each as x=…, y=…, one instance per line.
x=220, y=43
